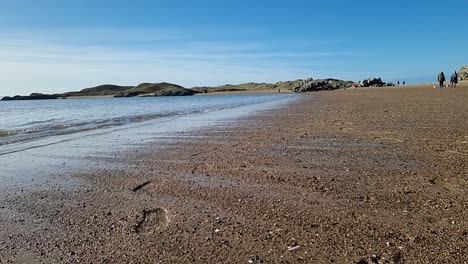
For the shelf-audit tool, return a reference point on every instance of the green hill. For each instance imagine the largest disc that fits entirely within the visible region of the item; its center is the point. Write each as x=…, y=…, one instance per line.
x=101, y=90
x=143, y=89
x=155, y=89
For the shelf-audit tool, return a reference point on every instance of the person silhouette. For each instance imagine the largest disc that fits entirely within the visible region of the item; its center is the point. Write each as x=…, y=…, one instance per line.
x=441, y=79
x=454, y=80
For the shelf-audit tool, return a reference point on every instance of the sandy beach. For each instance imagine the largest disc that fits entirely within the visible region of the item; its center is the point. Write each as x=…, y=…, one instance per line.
x=375, y=175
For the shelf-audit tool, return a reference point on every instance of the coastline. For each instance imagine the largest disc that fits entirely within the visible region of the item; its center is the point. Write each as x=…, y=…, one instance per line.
x=337, y=176
x=199, y=94
x=265, y=91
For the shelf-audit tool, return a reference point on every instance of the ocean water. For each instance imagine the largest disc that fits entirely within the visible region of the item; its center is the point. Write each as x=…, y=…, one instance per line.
x=35, y=119
x=44, y=142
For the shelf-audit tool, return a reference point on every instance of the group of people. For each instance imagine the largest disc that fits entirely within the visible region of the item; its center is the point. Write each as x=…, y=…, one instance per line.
x=399, y=83
x=453, y=80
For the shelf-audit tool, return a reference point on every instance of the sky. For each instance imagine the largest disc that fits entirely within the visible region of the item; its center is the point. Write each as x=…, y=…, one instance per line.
x=65, y=45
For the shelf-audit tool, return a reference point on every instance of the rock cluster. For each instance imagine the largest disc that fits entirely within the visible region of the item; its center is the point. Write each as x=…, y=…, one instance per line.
x=178, y=92
x=311, y=85
x=463, y=73
x=374, y=82
x=33, y=96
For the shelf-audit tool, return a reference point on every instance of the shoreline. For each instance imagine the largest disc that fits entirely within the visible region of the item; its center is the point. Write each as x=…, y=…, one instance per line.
x=336, y=176
x=157, y=109
x=272, y=91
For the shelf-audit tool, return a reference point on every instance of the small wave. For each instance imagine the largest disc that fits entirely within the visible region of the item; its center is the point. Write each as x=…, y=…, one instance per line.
x=41, y=129
x=6, y=133
x=138, y=119
x=35, y=132
x=60, y=127
x=37, y=122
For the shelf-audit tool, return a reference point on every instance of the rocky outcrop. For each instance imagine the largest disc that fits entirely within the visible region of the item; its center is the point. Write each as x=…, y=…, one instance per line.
x=463, y=73
x=174, y=92
x=130, y=94
x=311, y=85
x=33, y=96
x=374, y=82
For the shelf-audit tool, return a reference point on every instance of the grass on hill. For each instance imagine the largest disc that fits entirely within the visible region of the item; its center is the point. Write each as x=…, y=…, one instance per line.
x=289, y=85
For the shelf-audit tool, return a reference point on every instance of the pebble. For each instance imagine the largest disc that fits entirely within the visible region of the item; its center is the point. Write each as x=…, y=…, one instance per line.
x=294, y=248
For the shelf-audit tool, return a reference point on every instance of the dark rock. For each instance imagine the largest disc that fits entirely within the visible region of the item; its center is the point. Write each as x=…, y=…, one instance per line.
x=375, y=259
x=374, y=82
x=33, y=96
x=310, y=85
x=129, y=94
x=256, y=260
x=178, y=92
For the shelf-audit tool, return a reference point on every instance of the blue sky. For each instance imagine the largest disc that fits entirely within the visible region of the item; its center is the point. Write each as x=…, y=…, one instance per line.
x=63, y=45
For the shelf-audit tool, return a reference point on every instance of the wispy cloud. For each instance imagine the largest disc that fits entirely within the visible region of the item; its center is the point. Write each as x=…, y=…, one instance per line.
x=74, y=59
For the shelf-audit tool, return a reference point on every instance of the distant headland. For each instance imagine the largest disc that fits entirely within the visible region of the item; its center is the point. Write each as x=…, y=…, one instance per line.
x=170, y=89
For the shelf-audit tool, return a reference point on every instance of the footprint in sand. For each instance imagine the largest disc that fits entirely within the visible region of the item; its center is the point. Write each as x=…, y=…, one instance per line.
x=151, y=220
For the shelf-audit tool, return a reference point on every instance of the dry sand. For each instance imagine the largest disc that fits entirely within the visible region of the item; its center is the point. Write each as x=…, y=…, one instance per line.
x=356, y=176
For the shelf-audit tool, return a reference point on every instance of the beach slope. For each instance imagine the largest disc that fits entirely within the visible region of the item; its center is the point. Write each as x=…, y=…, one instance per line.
x=355, y=176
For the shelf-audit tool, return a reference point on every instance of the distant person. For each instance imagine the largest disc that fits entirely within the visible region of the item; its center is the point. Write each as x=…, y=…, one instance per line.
x=404, y=82
x=441, y=79
x=398, y=83
x=454, y=80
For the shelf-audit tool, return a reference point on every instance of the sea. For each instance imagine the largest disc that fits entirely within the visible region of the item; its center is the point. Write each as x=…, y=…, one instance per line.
x=39, y=138
x=35, y=119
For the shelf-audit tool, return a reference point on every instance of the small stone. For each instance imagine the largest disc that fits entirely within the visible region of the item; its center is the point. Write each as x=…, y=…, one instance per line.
x=293, y=248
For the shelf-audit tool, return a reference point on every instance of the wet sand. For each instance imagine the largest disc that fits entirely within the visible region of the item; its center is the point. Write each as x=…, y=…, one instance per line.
x=355, y=176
